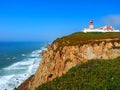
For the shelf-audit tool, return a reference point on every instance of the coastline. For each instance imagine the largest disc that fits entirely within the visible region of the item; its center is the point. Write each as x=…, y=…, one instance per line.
x=69, y=51
x=13, y=75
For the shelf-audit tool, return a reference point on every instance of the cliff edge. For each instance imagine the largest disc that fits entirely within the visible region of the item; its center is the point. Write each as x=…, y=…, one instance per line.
x=71, y=50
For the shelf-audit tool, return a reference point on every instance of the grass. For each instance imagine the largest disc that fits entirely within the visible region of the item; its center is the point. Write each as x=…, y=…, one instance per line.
x=80, y=38
x=92, y=75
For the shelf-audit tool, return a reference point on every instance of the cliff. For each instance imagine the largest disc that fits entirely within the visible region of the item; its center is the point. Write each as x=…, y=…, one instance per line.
x=70, y=51
x=97, y=74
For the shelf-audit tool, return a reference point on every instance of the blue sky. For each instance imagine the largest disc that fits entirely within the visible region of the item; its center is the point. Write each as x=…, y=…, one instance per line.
x=39, y=20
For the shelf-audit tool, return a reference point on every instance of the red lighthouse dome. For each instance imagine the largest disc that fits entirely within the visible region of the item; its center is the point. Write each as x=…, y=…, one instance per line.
x=91, y=22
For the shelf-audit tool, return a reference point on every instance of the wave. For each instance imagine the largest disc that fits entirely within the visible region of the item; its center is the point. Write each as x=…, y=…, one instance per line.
x=13, y=75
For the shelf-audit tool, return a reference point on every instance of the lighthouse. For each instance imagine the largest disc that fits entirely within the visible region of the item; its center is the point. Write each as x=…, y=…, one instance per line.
x=101, y=29
x=91, y=26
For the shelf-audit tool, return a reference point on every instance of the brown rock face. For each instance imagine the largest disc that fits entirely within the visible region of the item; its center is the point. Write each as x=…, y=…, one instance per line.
x=57, y=62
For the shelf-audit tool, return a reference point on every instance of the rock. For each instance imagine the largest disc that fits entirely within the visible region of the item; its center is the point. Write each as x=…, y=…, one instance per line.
x=56, y=63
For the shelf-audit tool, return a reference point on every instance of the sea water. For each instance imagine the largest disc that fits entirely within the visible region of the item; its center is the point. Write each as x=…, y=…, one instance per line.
x=18, y=61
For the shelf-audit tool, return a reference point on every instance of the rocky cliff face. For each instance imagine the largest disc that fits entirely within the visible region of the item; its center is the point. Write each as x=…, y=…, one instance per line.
x=57, y=62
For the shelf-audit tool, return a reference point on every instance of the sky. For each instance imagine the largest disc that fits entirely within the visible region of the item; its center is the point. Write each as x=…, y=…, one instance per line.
x=46, y=20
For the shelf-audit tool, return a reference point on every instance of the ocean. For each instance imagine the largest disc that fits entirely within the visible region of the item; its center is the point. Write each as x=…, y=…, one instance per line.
x=18, y=61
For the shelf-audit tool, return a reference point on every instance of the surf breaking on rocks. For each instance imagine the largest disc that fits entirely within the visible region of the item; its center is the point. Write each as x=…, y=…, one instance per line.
x=13, y=75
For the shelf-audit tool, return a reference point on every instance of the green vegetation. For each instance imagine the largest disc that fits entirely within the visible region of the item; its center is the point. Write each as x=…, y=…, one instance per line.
x=92, y=75
x=83, y=38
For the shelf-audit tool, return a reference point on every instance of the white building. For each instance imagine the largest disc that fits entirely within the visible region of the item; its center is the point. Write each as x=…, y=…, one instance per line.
x=101, y=29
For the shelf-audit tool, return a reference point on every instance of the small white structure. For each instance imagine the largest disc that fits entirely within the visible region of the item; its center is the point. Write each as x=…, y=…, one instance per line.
x=101, y=29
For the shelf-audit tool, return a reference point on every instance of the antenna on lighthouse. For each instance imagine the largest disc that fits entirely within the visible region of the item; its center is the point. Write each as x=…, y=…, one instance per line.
x=91, y=26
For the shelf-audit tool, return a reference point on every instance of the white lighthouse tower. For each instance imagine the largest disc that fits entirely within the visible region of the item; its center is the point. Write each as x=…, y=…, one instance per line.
x=91, y=26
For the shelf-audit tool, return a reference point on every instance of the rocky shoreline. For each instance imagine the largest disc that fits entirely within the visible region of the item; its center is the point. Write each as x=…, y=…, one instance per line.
x=55, y=62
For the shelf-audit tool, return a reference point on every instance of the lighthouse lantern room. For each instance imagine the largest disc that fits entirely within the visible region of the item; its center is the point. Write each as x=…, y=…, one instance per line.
x=91, y=26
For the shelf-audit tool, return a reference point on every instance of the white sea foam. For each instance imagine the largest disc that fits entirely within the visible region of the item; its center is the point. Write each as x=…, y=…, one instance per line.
x=16, y=73
x=23, y=55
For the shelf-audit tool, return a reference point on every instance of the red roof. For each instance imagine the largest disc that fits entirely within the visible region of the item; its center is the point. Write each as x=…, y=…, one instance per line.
x=109, y=28
x=91, y=21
